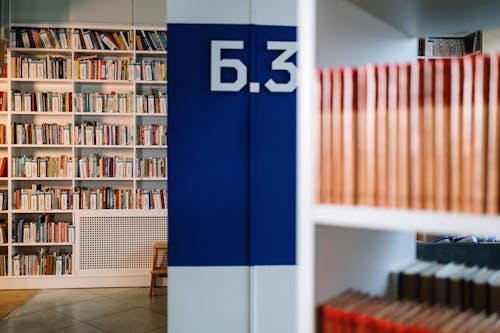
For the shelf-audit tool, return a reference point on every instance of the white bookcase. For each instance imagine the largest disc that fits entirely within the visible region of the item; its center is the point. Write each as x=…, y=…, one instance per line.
x=131, y=148
x=345, y=246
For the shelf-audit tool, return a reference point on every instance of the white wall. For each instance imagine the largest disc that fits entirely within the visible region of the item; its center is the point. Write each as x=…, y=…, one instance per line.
x=129, y=12
x=347, y=35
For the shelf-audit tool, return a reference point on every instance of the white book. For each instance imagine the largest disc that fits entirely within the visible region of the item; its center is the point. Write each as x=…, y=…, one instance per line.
x=99, y=103
x=27, y=102
x=69, y=168
x=122, y=103
x=26, y=233
x=76, y=200
x=55, y=103
x=93, y=199
x=43, y=167
x=41, y=200
x=16, y=267
x=139, y=103
x=151, y=103
x=71, y=233
x=88, y=40
x=129, y=166
x=99, y=135
x=17, y=102
x=25, y=68
x=76, y=39
x=67, y=135
x=63, y=38
x=89, y=135
x=163, y=104
x=38, y=135
x=64, y=199
x=48, y=200
x=59, y=265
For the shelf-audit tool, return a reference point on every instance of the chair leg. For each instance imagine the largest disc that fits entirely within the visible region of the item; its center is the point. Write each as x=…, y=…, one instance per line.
x=152, y=285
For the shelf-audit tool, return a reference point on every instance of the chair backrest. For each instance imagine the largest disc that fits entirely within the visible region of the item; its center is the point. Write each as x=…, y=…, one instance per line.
x=160, y=255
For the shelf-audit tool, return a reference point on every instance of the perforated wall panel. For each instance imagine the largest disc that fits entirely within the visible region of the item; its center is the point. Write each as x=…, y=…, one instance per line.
x=119, y=242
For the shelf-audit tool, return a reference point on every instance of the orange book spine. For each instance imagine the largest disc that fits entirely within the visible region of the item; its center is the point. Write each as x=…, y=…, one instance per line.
x=381, y=134
x=403, y=139
x=392, y=136
x=428, y=137
x=336, y=126
x=442, y=143
x=456, y=135
x=416, y=135
x=467, y=135
x=371, y=136
x=361, y=140
x=492, y=179
x=481, y=80
x=349, y=137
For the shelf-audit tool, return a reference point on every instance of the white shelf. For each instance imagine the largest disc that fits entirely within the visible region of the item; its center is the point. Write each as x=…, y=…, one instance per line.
x=51, y=81
x=120, y=53
x=151, y=114
x=404, y=220
x=119, y=82
x=40, y=50
x=161, y=82
x=103, y=147
x=39, y=146
x=151, y=147
x=42, y=178
x=104, y=114
x=40, y=244
x=151, y=53
x=75, y=85
x=44, y=113
x=151, y=179
x=48, y=211
x=104, y=179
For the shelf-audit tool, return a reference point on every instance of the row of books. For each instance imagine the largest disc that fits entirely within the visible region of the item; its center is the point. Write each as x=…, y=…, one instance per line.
x=49, y=67
x=28, y=101
x=151, y=135
x=354, y=311
x=154, y=102
x=151, y=167
x=457, y=285
x=42, y=264
x=151, y=40
x=99, y=102
x=39, y=38
x=41, y=134
x=96, y=166
x=91, y=68
x=40, y=197
x=3, y=264
x=103, y=198
x=93, y=133
x=42, y=230
x=87, y=39
x=422, y=135
x=3, y=232
x=151, y=199
x=92, y=166
x=148, y=70
x=42, y=166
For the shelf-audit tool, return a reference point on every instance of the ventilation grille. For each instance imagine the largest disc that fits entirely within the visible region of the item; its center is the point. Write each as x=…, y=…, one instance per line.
x=119, y=242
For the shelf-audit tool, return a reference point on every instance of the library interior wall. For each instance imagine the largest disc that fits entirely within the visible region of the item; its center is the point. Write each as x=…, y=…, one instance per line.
x=129, y=12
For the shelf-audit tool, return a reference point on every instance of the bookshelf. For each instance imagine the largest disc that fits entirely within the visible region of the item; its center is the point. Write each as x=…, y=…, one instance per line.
x=352, y=246
x=74, y=101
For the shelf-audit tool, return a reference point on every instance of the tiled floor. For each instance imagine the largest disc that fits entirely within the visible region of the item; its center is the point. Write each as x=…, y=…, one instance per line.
x=121, y=310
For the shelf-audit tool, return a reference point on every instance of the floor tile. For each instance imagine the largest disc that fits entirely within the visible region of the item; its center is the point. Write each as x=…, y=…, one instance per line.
x=133, y=321
x=79, y=328
x=92, y=309
x=39, y=322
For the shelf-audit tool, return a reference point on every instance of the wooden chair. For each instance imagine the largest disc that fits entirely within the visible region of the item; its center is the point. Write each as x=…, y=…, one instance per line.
x=160, y=265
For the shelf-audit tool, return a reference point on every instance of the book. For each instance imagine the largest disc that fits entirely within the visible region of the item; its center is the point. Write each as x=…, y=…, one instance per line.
x=493, y=140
